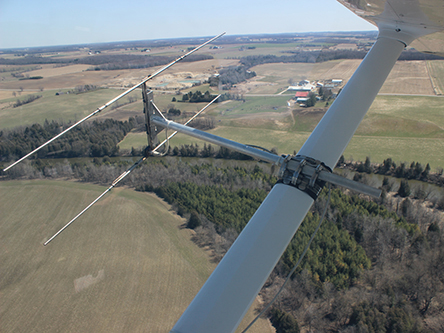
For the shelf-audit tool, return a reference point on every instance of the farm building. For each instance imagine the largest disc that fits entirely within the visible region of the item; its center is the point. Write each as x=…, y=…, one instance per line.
x=305, y=87
x=301, y=96
x=333, y=83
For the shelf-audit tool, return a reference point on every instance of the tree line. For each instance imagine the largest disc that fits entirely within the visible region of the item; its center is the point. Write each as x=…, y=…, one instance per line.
x=325, y=55
x=408, y=171
x=198, y=97
x=28, y=99
x=94, y=139
x=103, y=61
x=231, y=75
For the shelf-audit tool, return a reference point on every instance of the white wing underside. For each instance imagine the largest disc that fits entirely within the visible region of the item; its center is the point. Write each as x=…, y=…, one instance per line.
x=424, y=19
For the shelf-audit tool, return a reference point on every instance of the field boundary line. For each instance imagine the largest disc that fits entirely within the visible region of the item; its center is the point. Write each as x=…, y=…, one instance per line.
x=435, y=87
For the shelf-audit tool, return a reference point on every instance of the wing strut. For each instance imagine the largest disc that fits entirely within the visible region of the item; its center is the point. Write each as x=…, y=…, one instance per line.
x=232, y=287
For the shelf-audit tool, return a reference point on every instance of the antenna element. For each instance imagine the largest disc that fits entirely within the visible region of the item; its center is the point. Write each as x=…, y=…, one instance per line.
x=149, y=77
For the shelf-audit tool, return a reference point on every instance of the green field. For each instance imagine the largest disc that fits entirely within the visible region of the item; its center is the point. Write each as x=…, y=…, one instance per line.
x=405, y=128
x=64, y=107
x=73, y=107
x=125, y=266
x=253, y=105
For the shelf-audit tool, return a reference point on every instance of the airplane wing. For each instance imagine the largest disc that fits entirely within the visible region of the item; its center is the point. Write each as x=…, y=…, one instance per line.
x=423, y=16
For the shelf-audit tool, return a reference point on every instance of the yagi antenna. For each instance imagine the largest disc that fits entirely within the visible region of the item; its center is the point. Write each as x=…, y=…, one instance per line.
x=127, y=172
x=149, y=77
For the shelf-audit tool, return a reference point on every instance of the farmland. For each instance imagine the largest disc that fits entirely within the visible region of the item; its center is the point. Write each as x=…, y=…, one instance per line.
x=412, y=122
x=128, y=266
x=407, y=113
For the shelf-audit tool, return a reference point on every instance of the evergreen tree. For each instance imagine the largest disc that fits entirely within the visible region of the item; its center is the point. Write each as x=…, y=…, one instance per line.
x=283, y=322
x=194, y=220
x=404, y=189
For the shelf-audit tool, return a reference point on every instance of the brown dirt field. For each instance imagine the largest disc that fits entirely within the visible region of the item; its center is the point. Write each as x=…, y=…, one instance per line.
x=200, y=70
x=436, y=70
x=4, y=94
x=121, y=78
x=342, y=70
x=88, y=280
x=409, y=77
x=271, y=77
x=205, y=64
x=344, y=46
x=300, y=71
x=65, y=81
x=50, y=70
x=255, y=86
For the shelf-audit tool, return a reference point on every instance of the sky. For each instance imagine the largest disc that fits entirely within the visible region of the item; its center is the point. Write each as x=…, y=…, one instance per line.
x=29, y=23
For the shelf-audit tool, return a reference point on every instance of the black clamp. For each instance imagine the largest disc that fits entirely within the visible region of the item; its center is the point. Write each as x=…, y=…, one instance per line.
x=303, y=172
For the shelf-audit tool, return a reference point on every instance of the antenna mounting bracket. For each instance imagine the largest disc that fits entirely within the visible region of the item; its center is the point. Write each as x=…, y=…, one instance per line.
x=303, y=172
x=310, y=176
x=150, y=110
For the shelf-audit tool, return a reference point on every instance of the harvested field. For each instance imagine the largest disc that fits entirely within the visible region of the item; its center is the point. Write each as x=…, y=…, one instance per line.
x=51, y=70
x=345, y=46
x=73, y=76
x=125, y=266
x=408, y=77
x=69, y=80
x=417, y=108
x=436, y=72
x=273, y=78
x=8, y=94
x=343, y=69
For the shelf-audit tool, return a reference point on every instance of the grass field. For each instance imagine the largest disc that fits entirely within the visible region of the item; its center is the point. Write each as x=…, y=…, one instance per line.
x=423, y=150
x=405, y=116
x=126, y=266
x=51, y=107
x=254, y=105
x=415, y=123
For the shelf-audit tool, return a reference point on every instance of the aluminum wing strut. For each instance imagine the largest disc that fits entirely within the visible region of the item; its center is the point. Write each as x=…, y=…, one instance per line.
x=231, y=289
